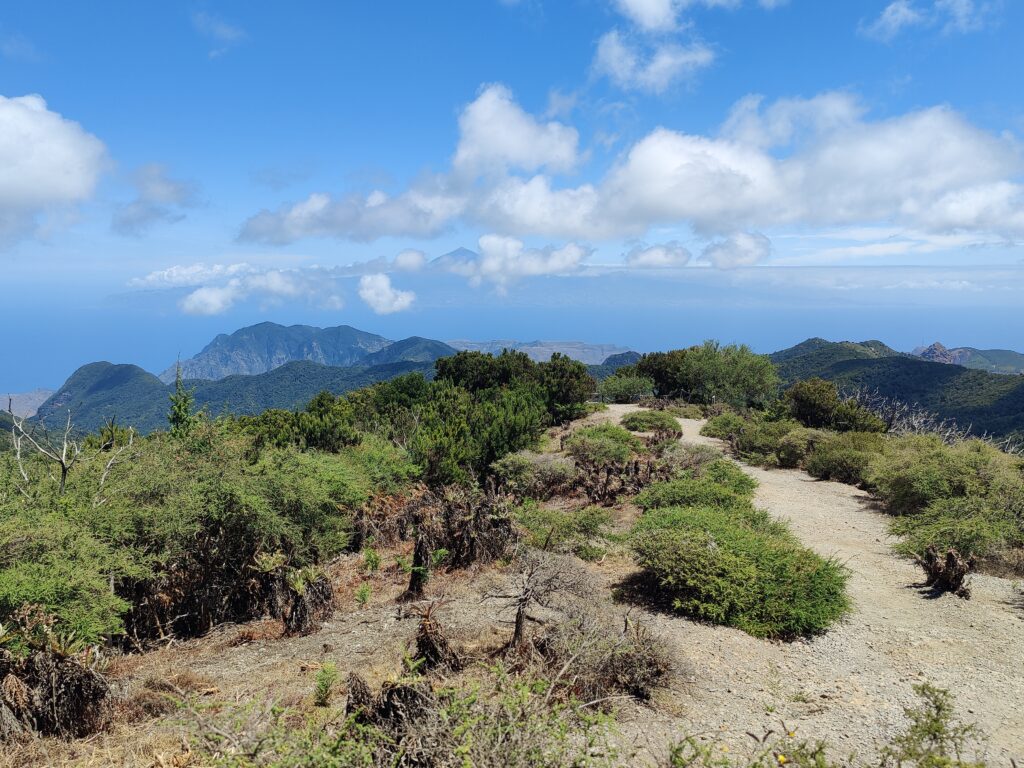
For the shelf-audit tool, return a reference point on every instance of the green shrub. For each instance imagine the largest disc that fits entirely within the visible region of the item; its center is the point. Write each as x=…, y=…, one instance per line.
x=602, y=444
x=712, y=373
x=526, y=474
x=850, y=416
x=564, y=530
x=725, y=426
x=739, y=570
x=758, y=442
x=625, y=388
x=844, y=457
x=651, y=421
x=795, y=446
x=915, y=470
x=323, y=686
x=729, y=475
x=813, y=402
x=688, y=491
x=686, y=411
x=972, y=526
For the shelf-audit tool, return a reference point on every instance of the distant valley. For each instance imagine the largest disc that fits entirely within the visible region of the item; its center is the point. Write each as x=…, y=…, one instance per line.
x=986, y=402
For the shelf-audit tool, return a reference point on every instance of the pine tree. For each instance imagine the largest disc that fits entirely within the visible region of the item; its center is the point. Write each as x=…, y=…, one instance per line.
x=181, y=417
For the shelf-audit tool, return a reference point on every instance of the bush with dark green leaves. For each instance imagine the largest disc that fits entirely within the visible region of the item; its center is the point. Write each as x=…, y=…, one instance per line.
x=734, y=566
x=759, y=440
x=712, y=373
x=602, y=444
x=816, y=403
x=651, y=421
x=625, y=387
x=725, y=426
x=178, y=534
x=843, y=457
x=564, y=384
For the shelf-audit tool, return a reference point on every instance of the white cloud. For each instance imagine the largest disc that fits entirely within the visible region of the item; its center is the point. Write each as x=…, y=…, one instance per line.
x=663, y=15
x=630, y=67
x=311, y=286
x=896, y=17
x=671, y=254
x=651, y=15
x=742, y=249
x=47, y=163
x=419, y=212
x=159, y=198
x=183, y=275
x=410, y=260
x=813, y=162
x=503, y=260
x=381, y=297
x=496, y=134
x=929, y=169
x=952, y=16
x=219, y=32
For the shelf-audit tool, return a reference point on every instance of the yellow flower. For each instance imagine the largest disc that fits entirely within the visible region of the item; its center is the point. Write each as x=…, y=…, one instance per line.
x=782, y=760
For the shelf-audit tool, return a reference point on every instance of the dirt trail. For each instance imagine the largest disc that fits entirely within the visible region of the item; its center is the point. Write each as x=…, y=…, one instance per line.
x=851, y=684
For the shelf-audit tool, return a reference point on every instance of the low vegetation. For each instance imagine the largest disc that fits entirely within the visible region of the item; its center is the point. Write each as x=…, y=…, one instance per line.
x=715, y=557
x=652, y=421
x=950, y=494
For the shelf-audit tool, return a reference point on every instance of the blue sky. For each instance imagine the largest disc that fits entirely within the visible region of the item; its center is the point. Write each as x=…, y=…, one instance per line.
x=641, y=172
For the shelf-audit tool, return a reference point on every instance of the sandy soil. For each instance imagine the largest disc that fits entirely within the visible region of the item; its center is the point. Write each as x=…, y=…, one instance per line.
x=852, y=684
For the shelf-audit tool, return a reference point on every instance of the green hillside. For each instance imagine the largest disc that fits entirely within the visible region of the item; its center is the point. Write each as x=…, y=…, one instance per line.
x=986, y=402
x=98, y=392
x=994, y=360
x=415, y=349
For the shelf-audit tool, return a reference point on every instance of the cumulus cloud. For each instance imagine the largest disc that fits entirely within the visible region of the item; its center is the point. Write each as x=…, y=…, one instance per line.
x=671, y=254
x=47, y=163
x=742, y=249
x=410, y=260
x=159, y=199
x=819, y=161
x=381, y=297
x=951, y=16
x=496, y=134
x=930, y=169
x=631, y=67
x=221, y=287
x=503, y=260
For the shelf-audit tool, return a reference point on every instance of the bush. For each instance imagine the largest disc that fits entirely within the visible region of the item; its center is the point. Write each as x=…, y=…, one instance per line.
x=816, y=403
x=526, y=474
x=844, y=457
x=725, y=426
x=758, y=441
x=740, y=570
x=651, y=421
x=914, y=471
x=728, y=475
x=686, y=411
x=796, y=445
x=712, y=373
x=602, y=444
x=559, y=530
x=604, y=659
x=974, y=527
x=688, y=491
x=623, y=387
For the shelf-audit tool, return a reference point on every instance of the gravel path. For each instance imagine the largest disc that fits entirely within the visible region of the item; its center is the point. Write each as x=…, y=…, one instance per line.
x=852, y=684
